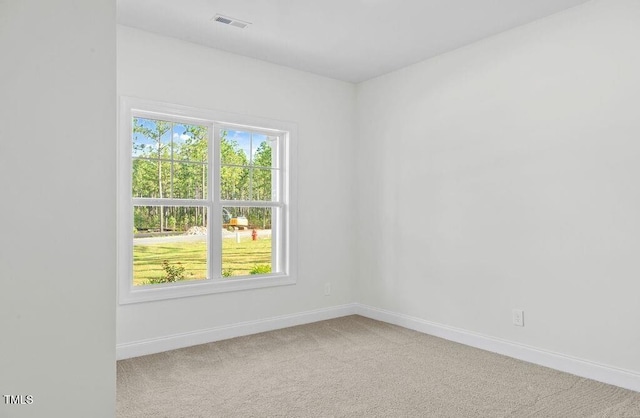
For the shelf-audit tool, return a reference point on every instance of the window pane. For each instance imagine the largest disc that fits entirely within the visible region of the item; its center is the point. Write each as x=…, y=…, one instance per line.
x=238, y=183
x=190, y=142
x=261, y=184
x=234, y=183
x=246, y=242
x=144, y=178
x=235, y=147
x=169, y=244
x=151, y=138
x=262, y=150
x=151, y=178
x=189, y=180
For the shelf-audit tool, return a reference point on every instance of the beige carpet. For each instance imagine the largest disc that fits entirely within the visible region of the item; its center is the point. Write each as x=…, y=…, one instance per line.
x=355, y=367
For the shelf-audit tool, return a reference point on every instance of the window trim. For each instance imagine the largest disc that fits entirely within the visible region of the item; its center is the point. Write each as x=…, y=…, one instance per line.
x=287, y=244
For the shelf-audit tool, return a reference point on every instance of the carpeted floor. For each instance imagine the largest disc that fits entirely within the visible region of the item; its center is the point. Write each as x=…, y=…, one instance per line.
x=355, y=367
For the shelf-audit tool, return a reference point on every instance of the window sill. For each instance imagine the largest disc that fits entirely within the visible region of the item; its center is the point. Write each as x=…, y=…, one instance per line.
x=200, y=287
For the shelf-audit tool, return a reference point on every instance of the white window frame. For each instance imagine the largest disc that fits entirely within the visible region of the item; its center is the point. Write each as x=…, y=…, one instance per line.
x=283, y=236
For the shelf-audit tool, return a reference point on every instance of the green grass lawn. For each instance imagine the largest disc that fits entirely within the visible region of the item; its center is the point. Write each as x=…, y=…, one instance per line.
x=237, y=258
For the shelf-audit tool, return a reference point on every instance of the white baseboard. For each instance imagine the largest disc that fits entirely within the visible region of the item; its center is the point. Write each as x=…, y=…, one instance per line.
x=172, y=342
x=579, y=367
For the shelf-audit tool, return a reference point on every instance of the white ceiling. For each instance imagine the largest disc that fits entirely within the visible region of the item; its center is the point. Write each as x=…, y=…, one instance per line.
x=351, y=40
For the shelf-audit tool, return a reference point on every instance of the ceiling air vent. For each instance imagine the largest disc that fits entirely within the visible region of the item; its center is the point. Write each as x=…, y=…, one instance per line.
x=231, y=21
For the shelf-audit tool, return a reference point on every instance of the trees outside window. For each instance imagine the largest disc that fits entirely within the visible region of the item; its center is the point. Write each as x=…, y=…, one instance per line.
x=208, y=202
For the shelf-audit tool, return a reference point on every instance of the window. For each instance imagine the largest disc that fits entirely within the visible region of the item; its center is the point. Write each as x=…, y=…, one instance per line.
x=205, y=202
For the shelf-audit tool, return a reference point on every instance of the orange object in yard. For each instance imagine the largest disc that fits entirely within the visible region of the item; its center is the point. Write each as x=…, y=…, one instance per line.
x=254, y=234
x=237, y=222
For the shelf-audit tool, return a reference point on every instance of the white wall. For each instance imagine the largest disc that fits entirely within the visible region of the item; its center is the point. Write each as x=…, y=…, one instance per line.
x=164, y=69
x=505, y=175
x=57, y=238
x=500, y=175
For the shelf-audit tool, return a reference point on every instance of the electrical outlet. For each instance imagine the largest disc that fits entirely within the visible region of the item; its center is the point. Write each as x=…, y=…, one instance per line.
x=327, y=289
x=518, y=317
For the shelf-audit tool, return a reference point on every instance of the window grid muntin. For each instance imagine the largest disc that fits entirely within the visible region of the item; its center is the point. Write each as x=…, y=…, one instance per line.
x=172, y=161
x=213, y=202
x=276, y=147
